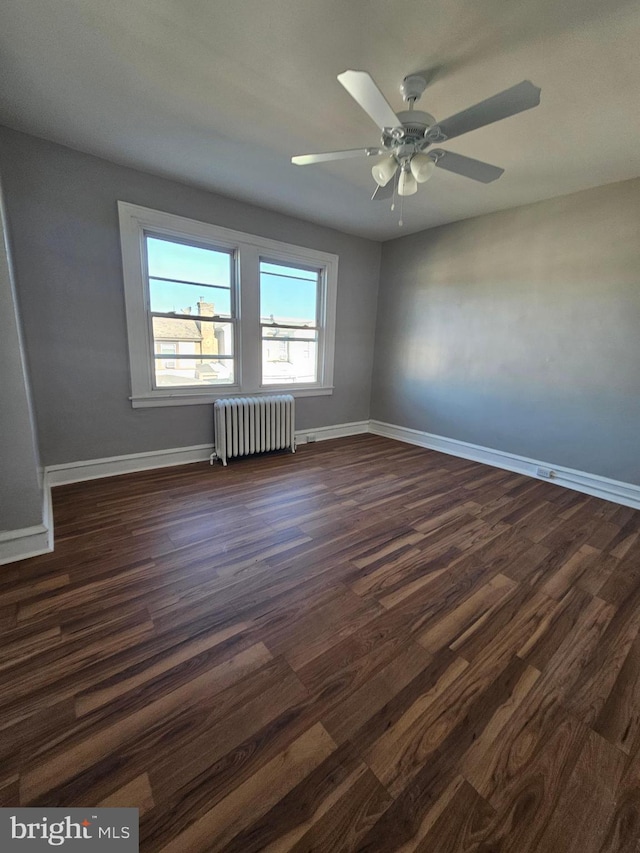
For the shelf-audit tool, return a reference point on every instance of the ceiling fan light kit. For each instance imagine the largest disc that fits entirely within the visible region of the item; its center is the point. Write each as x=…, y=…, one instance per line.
x=384, y=170
x=407, y=135
x=422, y=167
x=407, y=184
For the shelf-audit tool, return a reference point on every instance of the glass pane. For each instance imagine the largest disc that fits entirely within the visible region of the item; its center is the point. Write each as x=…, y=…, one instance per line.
x=193, y=372
x=166, y=296
x=290, y=272
x=190, y=352
x=168, y=259
x=291, y=333
x=288, y=295
x=289, y=361
x=192, y=337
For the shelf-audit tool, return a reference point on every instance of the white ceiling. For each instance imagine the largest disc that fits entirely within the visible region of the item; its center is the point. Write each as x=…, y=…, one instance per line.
x=220, y=94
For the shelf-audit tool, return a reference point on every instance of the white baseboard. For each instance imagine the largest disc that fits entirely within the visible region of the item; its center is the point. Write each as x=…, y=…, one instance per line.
x=328, y=432
x=626, y=494
x=29, y=541
x=111, y=466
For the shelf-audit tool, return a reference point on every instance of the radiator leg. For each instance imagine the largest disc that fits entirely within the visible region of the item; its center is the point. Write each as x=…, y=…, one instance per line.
x=213, y=458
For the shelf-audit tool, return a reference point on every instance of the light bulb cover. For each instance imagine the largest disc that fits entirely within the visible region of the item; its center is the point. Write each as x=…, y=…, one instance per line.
x=407, y=184
x=422, y=167
x=384, y=170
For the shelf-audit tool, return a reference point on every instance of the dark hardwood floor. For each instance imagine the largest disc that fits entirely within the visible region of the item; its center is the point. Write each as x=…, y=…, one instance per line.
x=366, y=646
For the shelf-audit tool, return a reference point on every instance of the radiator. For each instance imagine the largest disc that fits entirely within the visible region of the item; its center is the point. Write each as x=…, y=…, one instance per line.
x=245, y=425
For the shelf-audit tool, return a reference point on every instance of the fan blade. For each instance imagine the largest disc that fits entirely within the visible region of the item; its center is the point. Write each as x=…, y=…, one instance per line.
x=306, y=159
x=515, y=100
x=362, y=89
x=467, y=166
x=381, y=193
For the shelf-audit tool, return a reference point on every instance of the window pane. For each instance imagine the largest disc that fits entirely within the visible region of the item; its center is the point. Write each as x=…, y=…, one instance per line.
x=286, y=358
x=192, y=352
x=288, y=295
x=189, y=372
x=291, y=271
x=291, y=333
x=167, y=296
x=192, y=337
x=168, y=259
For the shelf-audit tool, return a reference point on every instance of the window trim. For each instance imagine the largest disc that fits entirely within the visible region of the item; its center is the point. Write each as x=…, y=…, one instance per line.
x=248, y=250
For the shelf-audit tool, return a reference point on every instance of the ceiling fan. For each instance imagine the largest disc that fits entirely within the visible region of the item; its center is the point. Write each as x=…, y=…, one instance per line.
x=407, y=136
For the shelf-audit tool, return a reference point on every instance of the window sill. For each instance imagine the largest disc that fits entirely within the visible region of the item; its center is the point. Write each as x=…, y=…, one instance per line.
x=186, y=398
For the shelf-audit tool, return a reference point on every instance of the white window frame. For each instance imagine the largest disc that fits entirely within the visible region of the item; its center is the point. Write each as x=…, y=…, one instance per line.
x=248, y=249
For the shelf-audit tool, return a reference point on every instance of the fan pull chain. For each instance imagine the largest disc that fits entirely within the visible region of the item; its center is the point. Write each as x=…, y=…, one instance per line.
x=400, y=222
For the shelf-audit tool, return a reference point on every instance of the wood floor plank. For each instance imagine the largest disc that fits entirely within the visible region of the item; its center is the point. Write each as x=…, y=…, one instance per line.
x=403, y=822
x=597, y=676
x=9, y=790
x=365, y=646
x=358, y=707
x=566, y=665
x=108, y=691
x=329, y=810
x=623, y=827
x=206, y=750
x=467, y=616
x=515, y=620
x=568, y=573
x=44, y=775
x=579, y=821
x=300, y=810
x=135, y=794
x=461, y=826
x=619, y=719
x=552, y=630
x=597, y=574
x=207, y=744
x=350, y=663
x=430, y=817
x=529, y=780
x=398, y=754
x=256, y=796
x=476, y=761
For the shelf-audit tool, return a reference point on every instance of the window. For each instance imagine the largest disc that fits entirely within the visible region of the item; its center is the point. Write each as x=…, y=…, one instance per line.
x=166, y=363
x=289, y=308
x=191, y=304
x=212, y=311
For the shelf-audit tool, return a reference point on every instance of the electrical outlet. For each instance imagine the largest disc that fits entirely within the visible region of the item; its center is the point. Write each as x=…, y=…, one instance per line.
x=311, y=437
x=547, y=473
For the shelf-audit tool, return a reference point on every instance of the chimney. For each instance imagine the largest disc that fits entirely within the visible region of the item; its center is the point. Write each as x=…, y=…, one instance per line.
x=209, y=344
x=205, y=309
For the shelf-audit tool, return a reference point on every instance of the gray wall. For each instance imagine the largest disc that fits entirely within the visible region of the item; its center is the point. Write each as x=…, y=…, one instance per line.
x=62, y=210
x=20, y=488
x=520, y=331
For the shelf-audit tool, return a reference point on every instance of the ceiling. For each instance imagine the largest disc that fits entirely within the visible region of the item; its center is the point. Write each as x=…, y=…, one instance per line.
x=220, y=94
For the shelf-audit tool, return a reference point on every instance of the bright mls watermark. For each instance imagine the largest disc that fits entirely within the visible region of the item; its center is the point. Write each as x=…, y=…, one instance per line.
x=80, y=830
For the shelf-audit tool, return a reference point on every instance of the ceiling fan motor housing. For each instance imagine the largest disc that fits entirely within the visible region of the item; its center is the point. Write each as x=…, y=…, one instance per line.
x=415, y=124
